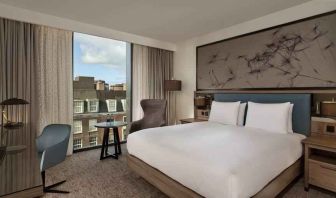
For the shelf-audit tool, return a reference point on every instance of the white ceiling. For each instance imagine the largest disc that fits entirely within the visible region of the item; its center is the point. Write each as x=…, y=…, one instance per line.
x=166, y=20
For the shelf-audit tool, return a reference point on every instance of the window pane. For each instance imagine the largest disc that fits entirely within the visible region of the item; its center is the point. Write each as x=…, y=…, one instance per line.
x=123, y=102
x=92, y=124
x=77, y=126
x=77, y=144
x=112, y=105
x=99, y=86
x=93, y=105
x=78, y=106
x=93, y=141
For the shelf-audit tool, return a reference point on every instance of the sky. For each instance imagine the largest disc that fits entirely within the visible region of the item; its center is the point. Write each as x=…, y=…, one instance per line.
x=104, y=59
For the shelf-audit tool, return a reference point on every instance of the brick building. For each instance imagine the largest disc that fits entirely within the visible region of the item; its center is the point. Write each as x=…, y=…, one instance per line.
x=95, y=101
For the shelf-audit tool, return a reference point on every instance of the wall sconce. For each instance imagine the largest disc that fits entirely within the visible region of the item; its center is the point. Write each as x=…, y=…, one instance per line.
x=11, y=116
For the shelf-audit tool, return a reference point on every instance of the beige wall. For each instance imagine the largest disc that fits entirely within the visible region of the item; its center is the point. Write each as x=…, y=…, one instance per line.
x=185, y=56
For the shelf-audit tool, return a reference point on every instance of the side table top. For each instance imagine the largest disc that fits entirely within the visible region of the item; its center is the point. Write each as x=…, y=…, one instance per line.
x=114, y=124
x=329, y=142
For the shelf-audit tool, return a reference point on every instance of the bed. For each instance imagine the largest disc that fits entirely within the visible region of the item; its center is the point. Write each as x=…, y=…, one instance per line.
x=214, y=160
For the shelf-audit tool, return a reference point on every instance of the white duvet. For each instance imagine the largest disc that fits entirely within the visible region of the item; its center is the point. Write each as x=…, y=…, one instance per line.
x=216, y=160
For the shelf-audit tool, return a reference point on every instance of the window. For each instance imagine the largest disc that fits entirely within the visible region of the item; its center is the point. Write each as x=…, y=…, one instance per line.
x=123, y=102
x=99, y=91
x=93, y=141
x=78, y=106
x=111, y=105
x=93, y=105
x=77, y=144
x=124, y=118
x=111, y=137
x=123, y=136
x=92, y=124
x=77, y=126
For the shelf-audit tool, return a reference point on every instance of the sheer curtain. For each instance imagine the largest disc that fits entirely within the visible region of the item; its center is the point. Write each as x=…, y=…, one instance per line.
x=54, y=78
x=36, y=65
x=151, y=67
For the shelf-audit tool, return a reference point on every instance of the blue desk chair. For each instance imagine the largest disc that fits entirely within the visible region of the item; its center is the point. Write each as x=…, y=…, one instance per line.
x=52, y=146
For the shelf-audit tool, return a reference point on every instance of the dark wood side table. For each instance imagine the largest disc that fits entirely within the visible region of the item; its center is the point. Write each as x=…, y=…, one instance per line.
x=191, y=120
x=320, y=162
x=104, y=149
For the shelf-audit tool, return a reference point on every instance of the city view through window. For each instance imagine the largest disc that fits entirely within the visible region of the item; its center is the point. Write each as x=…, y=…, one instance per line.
x=99, y=85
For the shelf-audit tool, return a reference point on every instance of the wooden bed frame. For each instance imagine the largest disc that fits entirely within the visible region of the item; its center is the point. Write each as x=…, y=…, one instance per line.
x=301, y=123
x=174, y=189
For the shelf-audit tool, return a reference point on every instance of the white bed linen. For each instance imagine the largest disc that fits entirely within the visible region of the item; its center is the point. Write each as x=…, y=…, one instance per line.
x=216, y=160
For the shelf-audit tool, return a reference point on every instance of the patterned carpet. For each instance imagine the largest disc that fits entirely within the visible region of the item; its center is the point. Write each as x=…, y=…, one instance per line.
x=87, y=176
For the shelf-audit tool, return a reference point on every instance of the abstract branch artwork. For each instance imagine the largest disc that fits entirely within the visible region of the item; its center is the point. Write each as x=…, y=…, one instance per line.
x=298, y=55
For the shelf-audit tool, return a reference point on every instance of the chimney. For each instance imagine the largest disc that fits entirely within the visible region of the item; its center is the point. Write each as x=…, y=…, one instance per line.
x=117, y=87
x=100, y=85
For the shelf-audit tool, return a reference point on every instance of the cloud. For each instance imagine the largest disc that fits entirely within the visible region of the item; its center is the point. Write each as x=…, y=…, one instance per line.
x=98, y=50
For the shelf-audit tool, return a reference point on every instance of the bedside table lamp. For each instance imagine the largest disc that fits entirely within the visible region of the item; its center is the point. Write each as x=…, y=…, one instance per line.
x=16, y=113
x=173, y=85
x=328, y=108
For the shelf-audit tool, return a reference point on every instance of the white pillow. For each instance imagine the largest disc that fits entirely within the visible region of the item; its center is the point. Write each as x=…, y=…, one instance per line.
x=290, y=119
x=270, y=117
x=241, y=114
x=224, y=112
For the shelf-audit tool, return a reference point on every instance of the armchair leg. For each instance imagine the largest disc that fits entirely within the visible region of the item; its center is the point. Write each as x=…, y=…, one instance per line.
x=48, y=189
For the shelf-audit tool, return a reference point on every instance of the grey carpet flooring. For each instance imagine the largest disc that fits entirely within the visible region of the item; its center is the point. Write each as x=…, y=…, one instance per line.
x=87, y=176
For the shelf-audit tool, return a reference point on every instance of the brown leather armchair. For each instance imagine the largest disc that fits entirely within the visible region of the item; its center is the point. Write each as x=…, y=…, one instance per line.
x=154, y=115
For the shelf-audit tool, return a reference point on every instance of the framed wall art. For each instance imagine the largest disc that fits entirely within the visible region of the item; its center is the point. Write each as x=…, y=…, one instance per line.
x=296, y=55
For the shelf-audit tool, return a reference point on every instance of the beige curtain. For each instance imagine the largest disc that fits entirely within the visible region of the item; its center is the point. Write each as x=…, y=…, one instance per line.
x=18, y=60
x=36, y=65
x=54, y=77
x=151, y=67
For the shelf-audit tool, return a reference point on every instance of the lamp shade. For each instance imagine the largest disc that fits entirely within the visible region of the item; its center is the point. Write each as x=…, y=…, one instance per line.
x=173, y=85
x=14, y=101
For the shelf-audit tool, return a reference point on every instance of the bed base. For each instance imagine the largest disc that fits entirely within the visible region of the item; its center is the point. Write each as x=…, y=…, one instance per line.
x=174, y=189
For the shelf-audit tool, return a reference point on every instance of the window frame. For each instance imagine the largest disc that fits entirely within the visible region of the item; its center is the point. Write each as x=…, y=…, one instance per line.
x=90, y=125
x=81, y=143
x=81, y=126
x=123, y=133
x=124, y=106
x=96, y=141
x=81, y=106
x=89, y=105
x=129, y=50
x=108, y=105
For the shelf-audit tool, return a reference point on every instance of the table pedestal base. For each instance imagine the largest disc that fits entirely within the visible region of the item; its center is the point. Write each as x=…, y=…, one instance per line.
x=117, y=148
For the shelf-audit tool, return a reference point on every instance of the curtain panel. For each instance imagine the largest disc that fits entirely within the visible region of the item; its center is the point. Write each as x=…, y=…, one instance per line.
x=54, y=78
x=36, y=65
x=18, y=60
x=150, y=68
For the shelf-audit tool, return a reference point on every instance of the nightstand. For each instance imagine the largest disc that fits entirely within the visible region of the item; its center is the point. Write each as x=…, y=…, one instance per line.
x=191, y=120
x=320, y=162
x=321, y=126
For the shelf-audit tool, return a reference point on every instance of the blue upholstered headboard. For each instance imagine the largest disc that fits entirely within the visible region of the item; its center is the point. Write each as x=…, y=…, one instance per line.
x=301, y=111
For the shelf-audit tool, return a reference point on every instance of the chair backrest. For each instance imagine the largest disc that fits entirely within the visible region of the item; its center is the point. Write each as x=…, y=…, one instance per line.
x=56, y=133
x=154, y=112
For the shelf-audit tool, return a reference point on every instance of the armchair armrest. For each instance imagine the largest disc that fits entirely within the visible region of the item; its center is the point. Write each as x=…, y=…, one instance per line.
x=135, y=126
